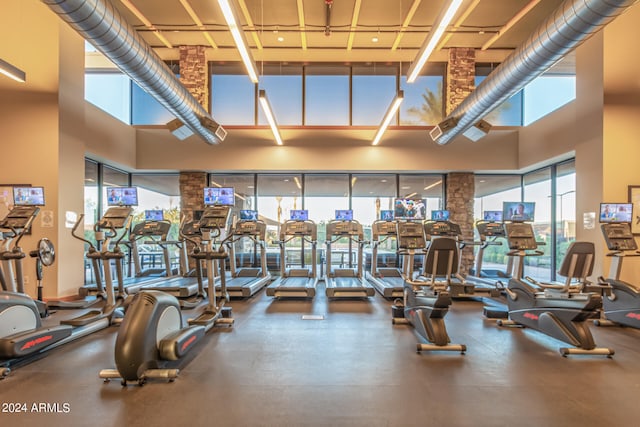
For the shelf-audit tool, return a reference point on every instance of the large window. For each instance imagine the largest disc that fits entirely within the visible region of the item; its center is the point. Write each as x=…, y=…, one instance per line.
x=423, y=103
x=233, y=96
x=509, y=113
x=91, y=209
x=327, y=95
x=546, y=94
x=109, y=91
x=537, y=189
x=278, y=194
x=283, y=86
x=374, y=87
x=427, y=188
x=565, y=200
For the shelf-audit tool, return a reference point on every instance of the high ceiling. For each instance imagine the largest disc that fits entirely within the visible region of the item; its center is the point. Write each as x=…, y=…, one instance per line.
x=332, y=30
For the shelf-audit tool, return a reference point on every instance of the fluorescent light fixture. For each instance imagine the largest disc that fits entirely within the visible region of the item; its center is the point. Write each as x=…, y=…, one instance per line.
x=239, y=39
x=430, y=43
x=262, y=96
x=297, y=181
x=429, y=187
x=395, y=104
x=12, y=72
x=477, y=131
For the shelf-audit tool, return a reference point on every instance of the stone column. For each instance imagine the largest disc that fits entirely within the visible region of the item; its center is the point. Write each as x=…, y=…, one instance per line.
x=194, y=73
x=461, y=73
x=192, y=186
x=460, y=196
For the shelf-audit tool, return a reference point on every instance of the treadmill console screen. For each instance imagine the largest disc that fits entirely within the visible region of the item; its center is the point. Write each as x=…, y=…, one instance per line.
x=153, y=215
x=344, y=215
x=493, y=216
x=386, y=215
x=619, y=237
x=299, y=215
x=248, y=215
x=440, y=215
x=520, y=236
x=224, y=196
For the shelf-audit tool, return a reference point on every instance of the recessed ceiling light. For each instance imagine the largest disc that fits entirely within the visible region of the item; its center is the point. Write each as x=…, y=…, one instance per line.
x=406, y=187
x=383, y=180
x=280, y=39
x=374, y=39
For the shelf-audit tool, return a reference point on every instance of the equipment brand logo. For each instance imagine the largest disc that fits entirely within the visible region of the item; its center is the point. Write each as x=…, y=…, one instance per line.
x=633, y=316
x=35, y=342
x=188, y=343
x=531, y=316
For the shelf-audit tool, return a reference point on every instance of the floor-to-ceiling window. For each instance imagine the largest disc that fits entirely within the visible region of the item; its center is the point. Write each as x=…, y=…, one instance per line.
x=565, y=200
x=537, y=189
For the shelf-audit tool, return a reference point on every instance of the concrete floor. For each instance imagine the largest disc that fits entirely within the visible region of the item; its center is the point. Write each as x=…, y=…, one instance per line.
x=353, y=368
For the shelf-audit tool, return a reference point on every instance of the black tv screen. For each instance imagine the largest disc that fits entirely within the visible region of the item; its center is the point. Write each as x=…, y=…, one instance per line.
x=440, y=215
x=518, y=211
x=386, y=215
x=153, y=215
x=122, y=196
x=616, y=212
x=409, y=209
x=28, y=196
x=219, y=196
x=493, y=216
x=344, y=214
x=299, y=214
x=248, y=215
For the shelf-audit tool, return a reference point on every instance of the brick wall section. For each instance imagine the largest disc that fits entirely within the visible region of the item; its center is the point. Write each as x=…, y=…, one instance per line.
x=460, y=193
x=192, y=186
x=194, y=73
x=461, y=73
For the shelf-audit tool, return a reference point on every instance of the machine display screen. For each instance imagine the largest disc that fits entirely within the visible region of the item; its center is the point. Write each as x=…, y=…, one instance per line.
x=248, y=215
x=153, y=215
x=440, y=215
x=493, y=216
x=518, y=211
x=28, y=196
x=616, y=212
x=122, y=196
x=344, y=214
x=386, y=215
x=219, y=196
x=409, y=209
x=299, y=214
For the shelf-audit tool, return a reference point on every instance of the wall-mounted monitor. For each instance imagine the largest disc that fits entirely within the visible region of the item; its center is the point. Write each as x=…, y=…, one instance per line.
x=386, y=215
x=493, y=216
x=344, y=215
x=518, y=211
x=440, y=215
x=299, y=215
x=28, y=196
x=153, y=215
x=409, y=209
x=122, y=196
x=616, y=212
x=223, y=196
x=248, y=215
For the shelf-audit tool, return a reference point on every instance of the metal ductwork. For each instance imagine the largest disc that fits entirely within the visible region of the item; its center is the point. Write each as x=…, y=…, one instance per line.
x=100, y=23
x=568, y=26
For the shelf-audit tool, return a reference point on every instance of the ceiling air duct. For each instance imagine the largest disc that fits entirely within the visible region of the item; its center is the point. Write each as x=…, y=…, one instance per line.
x=565, y=29
x=100, y=23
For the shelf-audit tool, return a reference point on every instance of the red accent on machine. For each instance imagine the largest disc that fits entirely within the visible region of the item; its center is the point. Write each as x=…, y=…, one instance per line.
x=35, y=342
x=188, y=343
x=531, y=316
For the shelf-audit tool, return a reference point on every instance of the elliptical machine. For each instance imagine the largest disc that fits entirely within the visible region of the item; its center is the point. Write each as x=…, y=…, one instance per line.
x=426, y=300
x=557, y=310
x=153, y=332
x=622, y=304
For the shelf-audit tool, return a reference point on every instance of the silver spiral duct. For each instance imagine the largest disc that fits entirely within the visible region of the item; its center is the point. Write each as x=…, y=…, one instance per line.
x=568, y=26
x=100, y=23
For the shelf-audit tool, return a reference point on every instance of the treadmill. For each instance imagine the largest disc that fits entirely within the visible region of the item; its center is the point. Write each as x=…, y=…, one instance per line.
x=187, y=289
x=346, y=282
x=243, y=282
x=490, y=230
x=386, y=280
x=152, y=233
x=299, y=281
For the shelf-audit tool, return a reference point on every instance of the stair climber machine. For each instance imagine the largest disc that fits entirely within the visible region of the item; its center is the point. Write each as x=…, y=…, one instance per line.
x=490, y=229
x=622, y=304
x=559, y=310
x=426, y=297
x=23, y=337
x=153, y=333
x=299, y=281
x=346, y=282
x=388, y=281
x=14, y=226
x=244, y=282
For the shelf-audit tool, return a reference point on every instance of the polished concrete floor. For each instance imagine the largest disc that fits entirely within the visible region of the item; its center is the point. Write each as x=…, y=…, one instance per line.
x=352, y=368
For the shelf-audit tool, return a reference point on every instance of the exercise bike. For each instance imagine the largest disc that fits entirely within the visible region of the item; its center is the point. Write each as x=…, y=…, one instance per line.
x=153, y=333
x=559, y=310
x=427, y=298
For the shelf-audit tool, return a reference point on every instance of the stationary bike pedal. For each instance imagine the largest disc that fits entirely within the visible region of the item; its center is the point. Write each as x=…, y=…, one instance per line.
x=226, y=312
